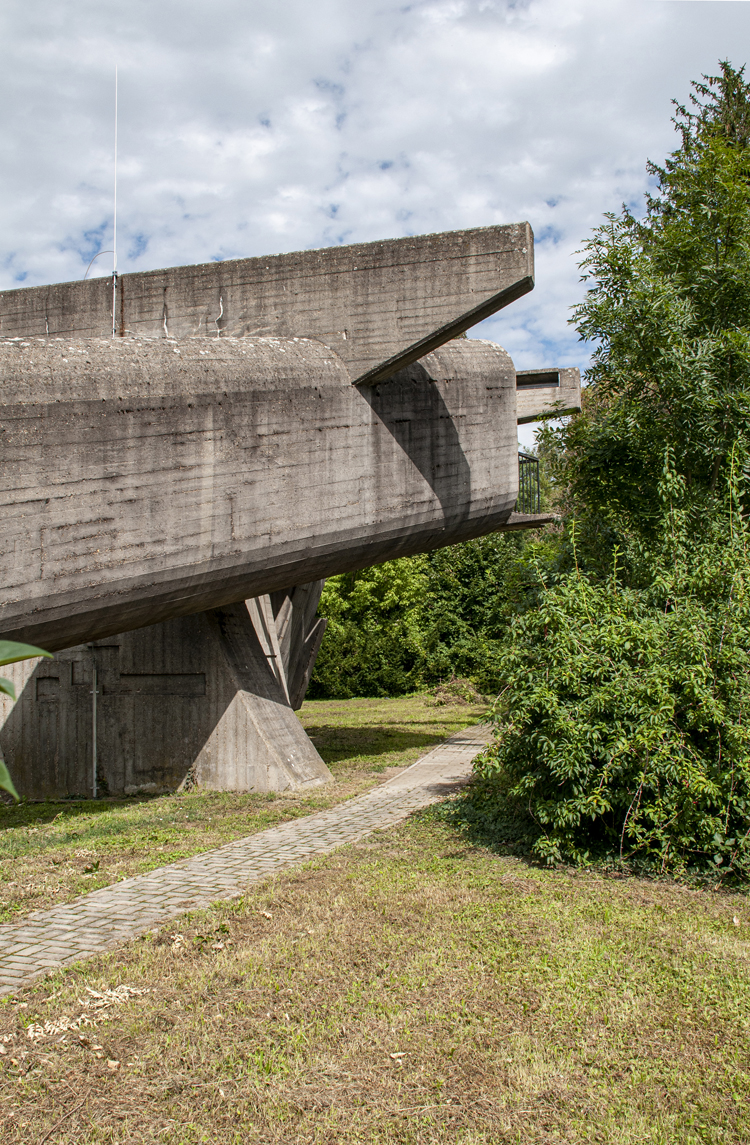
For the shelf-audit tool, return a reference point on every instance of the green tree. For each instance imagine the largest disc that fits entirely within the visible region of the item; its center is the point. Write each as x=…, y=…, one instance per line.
x=622, y=727
x=414, y=622
x=668, y=309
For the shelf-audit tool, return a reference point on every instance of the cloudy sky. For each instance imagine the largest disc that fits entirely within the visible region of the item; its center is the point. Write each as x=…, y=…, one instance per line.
x=254, y=126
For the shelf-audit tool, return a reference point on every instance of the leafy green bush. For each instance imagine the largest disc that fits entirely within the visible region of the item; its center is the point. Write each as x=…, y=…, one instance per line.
x=414, y=622
x=373, y=642
x=473, y=590
x=623, y=726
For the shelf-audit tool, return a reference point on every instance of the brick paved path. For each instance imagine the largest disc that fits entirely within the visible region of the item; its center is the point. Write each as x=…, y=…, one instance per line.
x=112, y=915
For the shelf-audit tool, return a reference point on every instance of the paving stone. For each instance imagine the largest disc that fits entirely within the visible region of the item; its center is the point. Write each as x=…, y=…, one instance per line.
x=108, y=917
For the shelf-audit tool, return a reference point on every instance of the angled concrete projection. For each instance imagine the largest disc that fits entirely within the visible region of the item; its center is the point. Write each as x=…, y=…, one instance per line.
x=256, y=425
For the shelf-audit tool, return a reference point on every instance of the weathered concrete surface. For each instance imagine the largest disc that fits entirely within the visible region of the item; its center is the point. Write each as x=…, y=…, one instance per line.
x=298, y=635
x=546, y=393
x=197, y=699
x=382, y=305
x=148, y=480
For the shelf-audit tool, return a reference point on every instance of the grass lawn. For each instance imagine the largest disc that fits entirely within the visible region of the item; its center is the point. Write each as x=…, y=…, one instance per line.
x=53, y=852
x=415, y=988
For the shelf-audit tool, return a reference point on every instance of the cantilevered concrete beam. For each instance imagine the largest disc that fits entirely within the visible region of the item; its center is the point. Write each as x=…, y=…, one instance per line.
x=147, y=480
x=382, y=305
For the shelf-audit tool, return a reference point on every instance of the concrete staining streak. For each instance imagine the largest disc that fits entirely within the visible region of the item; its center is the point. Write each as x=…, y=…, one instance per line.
x=108, y=917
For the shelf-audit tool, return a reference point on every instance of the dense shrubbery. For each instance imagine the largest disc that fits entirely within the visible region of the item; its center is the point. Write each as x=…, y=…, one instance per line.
x=414, y=622
x=623, y=726
x=372, y=645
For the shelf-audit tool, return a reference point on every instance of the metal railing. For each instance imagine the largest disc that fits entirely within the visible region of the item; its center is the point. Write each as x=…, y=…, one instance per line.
x=529, y=497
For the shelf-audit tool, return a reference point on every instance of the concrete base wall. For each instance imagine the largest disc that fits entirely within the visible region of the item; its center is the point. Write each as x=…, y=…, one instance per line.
x=201, y=700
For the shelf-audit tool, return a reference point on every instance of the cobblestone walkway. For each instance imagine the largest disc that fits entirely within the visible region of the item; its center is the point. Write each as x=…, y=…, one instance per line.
x=110, y=916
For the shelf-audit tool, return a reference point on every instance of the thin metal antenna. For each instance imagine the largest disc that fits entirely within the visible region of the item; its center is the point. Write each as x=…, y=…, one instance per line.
x=114, y=242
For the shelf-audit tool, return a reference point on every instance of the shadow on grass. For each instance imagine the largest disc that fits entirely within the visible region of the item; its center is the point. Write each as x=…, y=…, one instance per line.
x=513, y=836
x=334, y=742
x=32, y=814
x=504, y=834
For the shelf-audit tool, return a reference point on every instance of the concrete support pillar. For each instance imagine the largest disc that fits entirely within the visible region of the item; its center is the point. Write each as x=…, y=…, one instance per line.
x=300, y=635
x=205, y=700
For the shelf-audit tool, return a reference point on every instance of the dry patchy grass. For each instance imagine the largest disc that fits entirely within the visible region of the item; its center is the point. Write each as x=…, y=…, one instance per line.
x=412, y=989
x=52, y=852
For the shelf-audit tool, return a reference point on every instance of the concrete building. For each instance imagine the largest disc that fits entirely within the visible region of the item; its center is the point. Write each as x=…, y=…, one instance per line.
x=251, y=428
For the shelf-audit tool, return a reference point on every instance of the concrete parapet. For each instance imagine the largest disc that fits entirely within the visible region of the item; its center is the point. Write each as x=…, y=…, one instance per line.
x=381, y=305
x=547, y=393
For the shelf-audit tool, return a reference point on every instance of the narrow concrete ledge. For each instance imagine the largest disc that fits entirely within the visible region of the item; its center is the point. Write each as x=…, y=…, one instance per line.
x=528, y=521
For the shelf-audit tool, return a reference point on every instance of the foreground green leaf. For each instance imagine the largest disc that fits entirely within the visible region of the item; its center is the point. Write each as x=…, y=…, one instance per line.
x=11, y=652
x=6, y=783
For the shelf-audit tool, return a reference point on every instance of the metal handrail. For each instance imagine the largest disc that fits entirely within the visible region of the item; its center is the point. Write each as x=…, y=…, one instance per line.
x=529, y=494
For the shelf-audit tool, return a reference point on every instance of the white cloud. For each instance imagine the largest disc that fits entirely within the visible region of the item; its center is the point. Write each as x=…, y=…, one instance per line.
x=249, y=128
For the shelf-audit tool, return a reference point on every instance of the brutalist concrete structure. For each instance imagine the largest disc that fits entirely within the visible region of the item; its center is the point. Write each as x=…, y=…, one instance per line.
x=205, y=700
x=253, y=425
